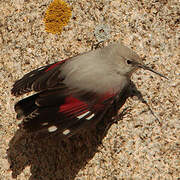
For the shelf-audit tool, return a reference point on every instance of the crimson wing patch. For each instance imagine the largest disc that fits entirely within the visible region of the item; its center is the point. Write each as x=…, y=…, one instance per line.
x=71, y=116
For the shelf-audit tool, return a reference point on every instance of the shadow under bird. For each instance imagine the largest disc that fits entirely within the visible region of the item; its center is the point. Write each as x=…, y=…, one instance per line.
x=74, y=94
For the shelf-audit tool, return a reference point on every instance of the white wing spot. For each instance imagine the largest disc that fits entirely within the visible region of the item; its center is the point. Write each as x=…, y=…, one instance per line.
x=44, y=124
x=40, y=68
x=52, y=128
x=66, y=132
x=90, y=117
x=82, y=115
x=31, y=75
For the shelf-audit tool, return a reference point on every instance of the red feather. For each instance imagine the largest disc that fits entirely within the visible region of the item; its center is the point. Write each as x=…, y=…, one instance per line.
x=72, y=105
x=54, y=65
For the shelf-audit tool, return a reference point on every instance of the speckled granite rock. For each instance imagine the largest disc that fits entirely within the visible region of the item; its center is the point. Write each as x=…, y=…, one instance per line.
x=138, y=147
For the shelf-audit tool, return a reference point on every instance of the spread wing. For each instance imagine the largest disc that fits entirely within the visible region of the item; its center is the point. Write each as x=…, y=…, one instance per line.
x=40, y=79
x=52, y=113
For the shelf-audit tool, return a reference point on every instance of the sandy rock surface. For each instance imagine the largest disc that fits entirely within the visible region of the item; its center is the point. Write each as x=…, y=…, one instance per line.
x=138, y=146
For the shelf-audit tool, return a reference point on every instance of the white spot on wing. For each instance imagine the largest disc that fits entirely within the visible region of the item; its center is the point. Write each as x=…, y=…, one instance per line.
x=44, y=124
x=90, y=117
x=31, y=75
x=67, y=131
x=52, y=128
x=40, y=68
x=82, y=115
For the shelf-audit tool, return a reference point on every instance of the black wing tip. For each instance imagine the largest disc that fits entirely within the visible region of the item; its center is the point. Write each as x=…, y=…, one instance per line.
x=16, y=89
x=14, y=92
x=19, y=88
x=17, y=92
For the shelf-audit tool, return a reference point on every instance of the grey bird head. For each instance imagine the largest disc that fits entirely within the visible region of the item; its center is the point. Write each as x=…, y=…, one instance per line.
x=127, y=60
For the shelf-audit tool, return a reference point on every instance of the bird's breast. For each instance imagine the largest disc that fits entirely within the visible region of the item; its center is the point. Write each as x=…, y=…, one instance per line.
x=98, y=82
x=93, y=74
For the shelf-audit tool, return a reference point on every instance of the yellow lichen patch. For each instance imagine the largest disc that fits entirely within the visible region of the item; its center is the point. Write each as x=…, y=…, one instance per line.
x=57, y=16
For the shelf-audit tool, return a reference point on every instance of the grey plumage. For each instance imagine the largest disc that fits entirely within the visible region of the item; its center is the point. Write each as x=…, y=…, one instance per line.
x=100, y=70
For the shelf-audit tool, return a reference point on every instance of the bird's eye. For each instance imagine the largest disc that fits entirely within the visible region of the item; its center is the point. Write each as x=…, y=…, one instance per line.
x=128, y=61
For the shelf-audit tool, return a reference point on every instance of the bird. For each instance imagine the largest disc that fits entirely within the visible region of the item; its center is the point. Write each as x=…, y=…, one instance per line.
x=74, y=94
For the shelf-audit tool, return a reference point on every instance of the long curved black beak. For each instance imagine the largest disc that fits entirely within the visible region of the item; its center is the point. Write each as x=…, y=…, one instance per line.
x=139, y=65
x=150, y=69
